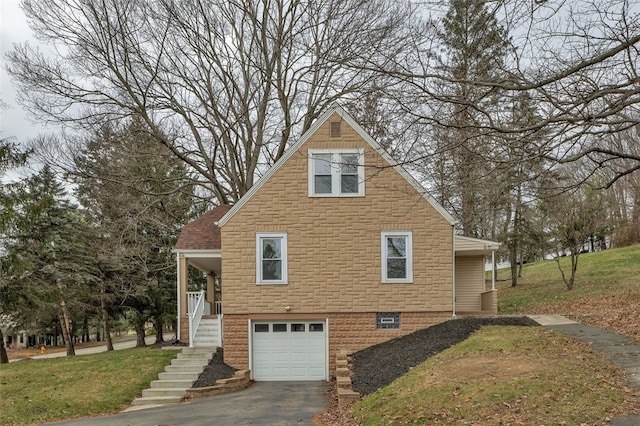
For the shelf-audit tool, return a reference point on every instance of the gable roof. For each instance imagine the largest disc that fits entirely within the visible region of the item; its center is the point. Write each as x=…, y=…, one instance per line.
x=203, y=233
x=362, y=133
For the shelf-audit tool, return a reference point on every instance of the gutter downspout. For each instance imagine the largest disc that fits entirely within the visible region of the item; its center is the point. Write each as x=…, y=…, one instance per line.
x=453, y=270
x=178, y=295
x=493, y=270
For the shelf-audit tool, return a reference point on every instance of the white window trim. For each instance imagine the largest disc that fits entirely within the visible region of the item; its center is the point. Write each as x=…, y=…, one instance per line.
x=259, y=237
x=383, y=241
x=335, y=172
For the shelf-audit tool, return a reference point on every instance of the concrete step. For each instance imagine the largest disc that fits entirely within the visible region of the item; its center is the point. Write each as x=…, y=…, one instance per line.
x=204, y=357
x=190, y=361
x=200, y=350
x=156, y=400
x=179, y=392
x=213, y=327
x=184, y=368
x=178, y=376
x=158, y=384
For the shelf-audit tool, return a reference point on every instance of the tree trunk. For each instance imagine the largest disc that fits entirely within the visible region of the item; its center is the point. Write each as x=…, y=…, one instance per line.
x=63, y=316
x=158, y=325
x=4, y=358
x=86, y=335
x=139, y=325
x=513, y=260
x=105, y=321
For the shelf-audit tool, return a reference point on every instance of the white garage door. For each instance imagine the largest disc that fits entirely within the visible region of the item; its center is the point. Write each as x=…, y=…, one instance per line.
x=289, y=350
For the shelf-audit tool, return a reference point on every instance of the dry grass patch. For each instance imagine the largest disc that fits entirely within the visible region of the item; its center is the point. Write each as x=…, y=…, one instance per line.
x=505, y=375
x=605, y=294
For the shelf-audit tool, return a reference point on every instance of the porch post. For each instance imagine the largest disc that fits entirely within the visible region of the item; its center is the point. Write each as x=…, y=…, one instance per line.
x=493, y=270
x=182, y=279
x=211, y=291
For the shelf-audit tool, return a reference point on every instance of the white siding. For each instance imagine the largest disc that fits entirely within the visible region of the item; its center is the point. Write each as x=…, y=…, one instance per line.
x=469, y=283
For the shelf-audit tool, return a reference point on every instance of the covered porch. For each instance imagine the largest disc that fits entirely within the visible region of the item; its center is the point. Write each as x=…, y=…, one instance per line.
x=473, y=295
x=199, y=267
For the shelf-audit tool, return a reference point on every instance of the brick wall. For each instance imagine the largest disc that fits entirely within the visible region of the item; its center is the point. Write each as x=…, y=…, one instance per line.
x=346, y=331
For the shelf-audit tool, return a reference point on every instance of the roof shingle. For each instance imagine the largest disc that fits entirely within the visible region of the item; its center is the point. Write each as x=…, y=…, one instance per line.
x=202, y=233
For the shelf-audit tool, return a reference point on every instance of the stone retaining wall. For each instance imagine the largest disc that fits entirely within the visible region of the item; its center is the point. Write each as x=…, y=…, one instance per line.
x=239, y=381
x=346, y=395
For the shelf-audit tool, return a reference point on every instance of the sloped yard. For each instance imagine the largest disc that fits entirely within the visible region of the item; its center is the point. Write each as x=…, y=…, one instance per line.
x=379, y=365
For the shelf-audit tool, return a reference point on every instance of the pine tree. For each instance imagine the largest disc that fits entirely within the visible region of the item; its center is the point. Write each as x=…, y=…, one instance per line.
x=138, y=196
x=48, y=261
x=474, y=47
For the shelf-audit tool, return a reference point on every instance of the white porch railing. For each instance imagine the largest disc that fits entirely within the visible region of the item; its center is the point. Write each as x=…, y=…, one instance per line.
x=195, y=306
x=220, y=331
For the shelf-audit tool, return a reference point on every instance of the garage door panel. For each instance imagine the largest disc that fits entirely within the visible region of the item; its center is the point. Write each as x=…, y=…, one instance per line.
x=299, y=353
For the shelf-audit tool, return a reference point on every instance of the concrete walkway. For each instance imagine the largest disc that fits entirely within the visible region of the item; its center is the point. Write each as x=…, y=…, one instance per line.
x=126, y=344
x=615, y=347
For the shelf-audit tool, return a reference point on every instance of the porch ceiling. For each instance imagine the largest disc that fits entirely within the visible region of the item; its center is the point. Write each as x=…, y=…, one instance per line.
x=205, y=260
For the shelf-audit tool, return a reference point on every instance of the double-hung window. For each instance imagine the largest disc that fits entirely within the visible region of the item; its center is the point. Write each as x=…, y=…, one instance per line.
x=397, y=257
x=336, y=173
x=271, y=259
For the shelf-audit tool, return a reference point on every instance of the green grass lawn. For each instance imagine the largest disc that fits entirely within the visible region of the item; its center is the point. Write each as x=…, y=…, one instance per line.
x=505, y=375
x=59, y=388
x=600, y=274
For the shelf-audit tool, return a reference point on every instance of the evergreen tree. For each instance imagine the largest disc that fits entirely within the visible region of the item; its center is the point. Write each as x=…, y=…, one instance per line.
x=10, y=156
x=474, y=47
x=138, y=196
x=48, y=261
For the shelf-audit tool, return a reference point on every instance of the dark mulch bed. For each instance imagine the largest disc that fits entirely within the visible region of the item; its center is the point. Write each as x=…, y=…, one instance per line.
x=379, y=365
x=216, y=369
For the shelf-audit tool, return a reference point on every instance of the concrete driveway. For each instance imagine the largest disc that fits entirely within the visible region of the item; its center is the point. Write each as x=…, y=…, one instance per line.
x=263, y=403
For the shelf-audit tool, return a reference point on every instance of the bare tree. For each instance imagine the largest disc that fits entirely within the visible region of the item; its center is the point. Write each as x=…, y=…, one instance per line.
x=572, y=217
x=577, y=60
x=223, y=84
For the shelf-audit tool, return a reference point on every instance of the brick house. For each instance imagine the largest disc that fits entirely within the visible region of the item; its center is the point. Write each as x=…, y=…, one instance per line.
x=335, y=247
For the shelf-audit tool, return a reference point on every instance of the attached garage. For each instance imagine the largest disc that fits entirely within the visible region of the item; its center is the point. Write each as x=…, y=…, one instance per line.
x=289, y=350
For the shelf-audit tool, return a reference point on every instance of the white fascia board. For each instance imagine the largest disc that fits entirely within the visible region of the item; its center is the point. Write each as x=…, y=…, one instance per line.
x=487, y=244
x=197, y=253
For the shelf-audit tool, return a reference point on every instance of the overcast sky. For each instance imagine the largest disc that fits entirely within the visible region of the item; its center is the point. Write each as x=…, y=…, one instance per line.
x=14, y=121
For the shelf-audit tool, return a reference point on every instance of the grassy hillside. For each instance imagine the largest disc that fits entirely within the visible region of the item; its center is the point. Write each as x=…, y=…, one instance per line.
x=606, y=293
x=500, y=376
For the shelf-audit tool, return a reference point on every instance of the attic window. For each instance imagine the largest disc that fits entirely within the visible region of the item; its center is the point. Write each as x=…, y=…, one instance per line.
x=336, y=173
x=334, y=129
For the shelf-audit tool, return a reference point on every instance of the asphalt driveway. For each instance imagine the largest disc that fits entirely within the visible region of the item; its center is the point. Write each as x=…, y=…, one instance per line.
x=263, y=403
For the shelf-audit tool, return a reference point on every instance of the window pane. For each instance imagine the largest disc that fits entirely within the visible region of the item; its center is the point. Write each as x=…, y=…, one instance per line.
x=322, y=164
x=349, y=164
x=396, y=247
x=322, y=184
x=271, y=270
x=396, y=268
x=316, y=326
x=261, y=328
x=297, y=327
x=279, y=328
x=349, y=184
x=271, y=248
